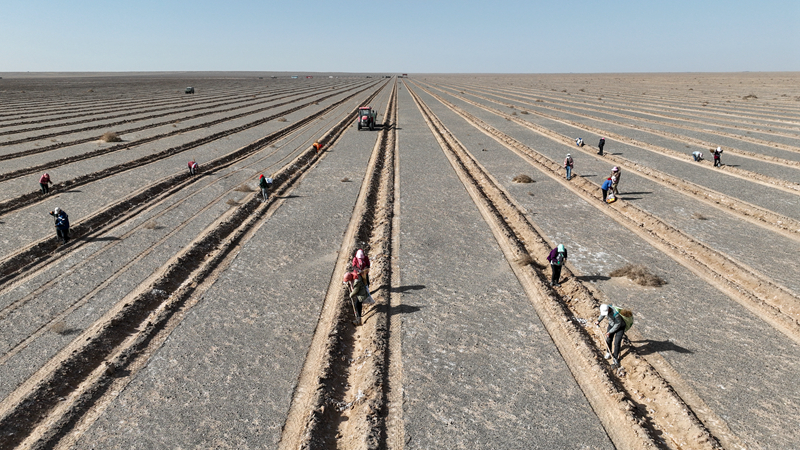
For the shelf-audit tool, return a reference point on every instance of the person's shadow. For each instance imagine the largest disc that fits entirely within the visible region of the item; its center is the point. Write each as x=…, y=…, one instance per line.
x=649, y=346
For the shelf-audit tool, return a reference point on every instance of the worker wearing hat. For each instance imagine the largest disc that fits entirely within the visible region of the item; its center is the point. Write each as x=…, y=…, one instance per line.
x=619, y=321
x=62, y=224
x=568, y=163
x=264, y=183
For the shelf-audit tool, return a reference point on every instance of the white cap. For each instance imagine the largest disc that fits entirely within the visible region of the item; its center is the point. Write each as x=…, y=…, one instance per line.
x=603, y=310
x=56, y=210
x=568, y=155
x=719, y=148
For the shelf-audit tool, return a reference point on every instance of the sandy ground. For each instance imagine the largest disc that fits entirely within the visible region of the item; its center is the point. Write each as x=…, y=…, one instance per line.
x=478, y=368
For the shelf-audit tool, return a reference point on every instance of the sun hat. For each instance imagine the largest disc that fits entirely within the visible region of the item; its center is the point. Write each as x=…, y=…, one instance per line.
x=604, y=310
x=56, y=210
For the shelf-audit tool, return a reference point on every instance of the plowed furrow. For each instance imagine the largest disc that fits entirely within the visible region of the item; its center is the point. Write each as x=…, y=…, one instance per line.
x=765, y=180
x=140, y=108
x=617, y=400
x=775, y=304
x=341, y=397
x=41, y=411
x=140, y=128
x=152, y=114
x=47, y=248
x=34, y=197
x=610, y=105
x=755, y=214
x=630, y=123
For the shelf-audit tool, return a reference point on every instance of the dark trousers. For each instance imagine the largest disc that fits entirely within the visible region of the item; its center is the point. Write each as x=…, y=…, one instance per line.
x=601, y=150
x=616, y=340
x=265, y=194
x=717, y=162
x=605, y=193
x=45, y=188
x=63, y=234
x=556, y=273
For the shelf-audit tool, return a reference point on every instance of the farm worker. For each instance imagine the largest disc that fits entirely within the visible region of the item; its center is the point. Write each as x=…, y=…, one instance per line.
x=619, y=321
x=361, y=264
x=605, y=187
x=264, y=183
x=697, y=155
x=579, y=142
x=600, y=145
x=358, y=294
x=45, y=183
x=557, y=258
x=717, y=153
x=62, y=224
x=568, y=163
x=192, y=167
x=615, y=175
x=318, y=146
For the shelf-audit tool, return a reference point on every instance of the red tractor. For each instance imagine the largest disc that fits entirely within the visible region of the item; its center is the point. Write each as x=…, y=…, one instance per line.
x=366, y=118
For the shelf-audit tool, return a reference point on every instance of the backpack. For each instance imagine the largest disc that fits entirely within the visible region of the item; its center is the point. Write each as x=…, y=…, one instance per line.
x=627, y=316
x=559, y=258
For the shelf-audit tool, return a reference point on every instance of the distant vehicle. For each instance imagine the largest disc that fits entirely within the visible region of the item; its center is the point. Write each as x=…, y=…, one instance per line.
x=366, y=118
x=405, y=75
x=189, y=90
x=294, y=76
x=309, y=77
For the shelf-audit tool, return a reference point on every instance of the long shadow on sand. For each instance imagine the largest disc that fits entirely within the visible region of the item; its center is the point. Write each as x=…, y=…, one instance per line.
x=649, y=346
x=413, y=287
x=592, y=278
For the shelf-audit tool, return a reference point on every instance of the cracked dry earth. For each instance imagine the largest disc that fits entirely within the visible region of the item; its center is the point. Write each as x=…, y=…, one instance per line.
x=188, y=313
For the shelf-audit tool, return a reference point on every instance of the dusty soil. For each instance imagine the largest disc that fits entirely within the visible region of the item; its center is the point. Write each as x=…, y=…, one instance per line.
x=186, y=313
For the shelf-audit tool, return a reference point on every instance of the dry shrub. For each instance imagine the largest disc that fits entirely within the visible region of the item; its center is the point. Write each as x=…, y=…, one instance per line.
x=513, y=113
x=522, y=178
x=530, y=193
x=699, y=216
x=110, y=136
x=563, y=90
x=527, y=260
x=639, y=275
x=59, y=327
x=523, y=112
x=282, y=119
x=538, y=100
x=749, y=96
x=345, y=180
x=232, y=202
x=244, y=188
x=152, y=225
x=581, y=90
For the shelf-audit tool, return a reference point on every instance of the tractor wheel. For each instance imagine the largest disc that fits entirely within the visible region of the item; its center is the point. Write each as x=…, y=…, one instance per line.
x=359, y=126
x=372, y=126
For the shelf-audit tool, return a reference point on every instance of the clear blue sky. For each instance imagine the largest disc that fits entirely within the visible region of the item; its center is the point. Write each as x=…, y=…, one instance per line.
x=400, y=36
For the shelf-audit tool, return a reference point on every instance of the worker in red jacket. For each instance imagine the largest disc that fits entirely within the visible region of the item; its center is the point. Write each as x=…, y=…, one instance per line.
x=45, y=183
x=193, y=167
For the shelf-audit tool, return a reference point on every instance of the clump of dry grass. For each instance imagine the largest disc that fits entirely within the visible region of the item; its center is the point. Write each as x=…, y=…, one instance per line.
x=522, y=178
x=538, y=100
x=232, y=202
x=345, y=180
x=750, y=96
x=513, y=113
x=110, y=136
x=639, y=275
x=699, y=216
x=523, y=112
x=282, y=119
x=530, y=193
x=59, y=327
x=244, y=188
x=152, y=225
x=527, y=260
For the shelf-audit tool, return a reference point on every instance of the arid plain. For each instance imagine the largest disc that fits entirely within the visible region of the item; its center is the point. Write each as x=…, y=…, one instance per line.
x=187, y=313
